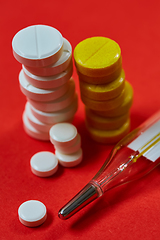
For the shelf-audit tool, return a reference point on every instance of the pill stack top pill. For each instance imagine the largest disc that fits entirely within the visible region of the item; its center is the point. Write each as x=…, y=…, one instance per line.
x=97, y=57
x=45, y=78
x=67, y=143
x=37, y=46
x=104, y=90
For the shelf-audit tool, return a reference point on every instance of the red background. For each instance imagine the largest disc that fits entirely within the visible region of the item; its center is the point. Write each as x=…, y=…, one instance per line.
x=129, y=212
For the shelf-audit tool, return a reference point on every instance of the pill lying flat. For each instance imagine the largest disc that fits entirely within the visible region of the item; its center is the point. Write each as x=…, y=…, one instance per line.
x=39, y=94
x=102, y=92
x=121, y=109
x=97, y=56
x=108, y=137
x=32, y=213
x=69, y=160
x=68, y=150
x=34, y=122
x=59, y=103
x=48, y=82
x=59, y=116
x=103, y=105
x=61, y=65
x=37, y=45
x=32, y=131
x=104, y=123
x=44, y=164
x=63, y=135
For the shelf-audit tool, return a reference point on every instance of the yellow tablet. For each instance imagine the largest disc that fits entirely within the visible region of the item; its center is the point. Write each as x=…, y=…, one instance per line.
x=102, y=92
x=105, y=123
x=108, y=137
x=97, y=56
x=121, y=109
x=104, y=105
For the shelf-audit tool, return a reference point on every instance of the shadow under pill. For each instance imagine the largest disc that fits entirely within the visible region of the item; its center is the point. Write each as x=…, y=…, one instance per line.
x=19, y=229
x=48, y=221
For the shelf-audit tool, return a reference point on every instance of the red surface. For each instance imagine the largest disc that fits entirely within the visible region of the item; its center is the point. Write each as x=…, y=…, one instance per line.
x=129, y=212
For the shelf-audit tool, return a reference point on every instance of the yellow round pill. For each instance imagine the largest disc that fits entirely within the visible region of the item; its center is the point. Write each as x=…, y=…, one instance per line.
x=123, y=108
x=97, y=56
x=103, y=105
x=101, y=80
x=103, y=123
x=102, y=92
x=108, y=137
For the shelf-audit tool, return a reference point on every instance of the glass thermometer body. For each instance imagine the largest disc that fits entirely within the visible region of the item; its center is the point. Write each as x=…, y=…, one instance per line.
x=133, y=157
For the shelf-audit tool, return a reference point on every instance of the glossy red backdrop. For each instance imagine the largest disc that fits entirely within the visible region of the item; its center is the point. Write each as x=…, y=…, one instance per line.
x=128, y=212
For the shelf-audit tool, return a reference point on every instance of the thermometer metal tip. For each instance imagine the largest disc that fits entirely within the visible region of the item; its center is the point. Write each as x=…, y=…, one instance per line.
x=85, y=196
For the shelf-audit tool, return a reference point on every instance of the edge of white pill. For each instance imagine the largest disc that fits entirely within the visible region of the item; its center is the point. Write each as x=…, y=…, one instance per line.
x=37, y=45
x=69, y=150
x=44, y=164
x=69, y=160
x=32, y=213
x=64, y=134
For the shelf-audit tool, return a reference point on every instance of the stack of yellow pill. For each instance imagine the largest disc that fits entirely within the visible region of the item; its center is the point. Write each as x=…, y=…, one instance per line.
x=104, y=90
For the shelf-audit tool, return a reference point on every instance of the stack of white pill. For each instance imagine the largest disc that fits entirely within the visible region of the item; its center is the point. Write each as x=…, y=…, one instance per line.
x=68, y=153
x=45, y=79
x=67, y=144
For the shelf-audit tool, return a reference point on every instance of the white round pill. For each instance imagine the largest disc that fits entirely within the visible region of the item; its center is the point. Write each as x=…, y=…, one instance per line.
x=39, y=94
x=63, y=115
x=38, y=125
x=62, y=64
x=63, y=134
x=44, y=164
x=32, y=213
x=48, y=82
x=32, y=131
x=68, y=150
x=69, y=160
x=37, y=45
x=59, y=103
